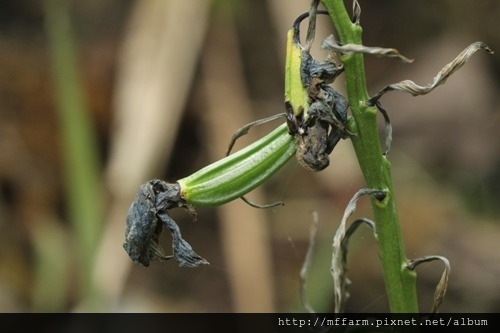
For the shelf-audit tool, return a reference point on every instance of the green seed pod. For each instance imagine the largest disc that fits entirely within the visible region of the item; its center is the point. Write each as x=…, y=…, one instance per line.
x=239, y=173
x=296, y=95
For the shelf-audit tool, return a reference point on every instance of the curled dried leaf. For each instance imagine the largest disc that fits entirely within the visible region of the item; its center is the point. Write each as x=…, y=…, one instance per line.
x=388, y=128
x=311, y=30
x=338, y=268
x=443, y=282
x=330, y=43
x=352, y=229
x=244, y=129
x=342, y=257
x=356, y=10
x=441, y=77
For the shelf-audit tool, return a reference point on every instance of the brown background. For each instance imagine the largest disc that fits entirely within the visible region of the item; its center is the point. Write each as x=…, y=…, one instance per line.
x=166, y=83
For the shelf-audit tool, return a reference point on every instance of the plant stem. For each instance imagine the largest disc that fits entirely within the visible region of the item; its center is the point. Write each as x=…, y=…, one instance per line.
x=81, y=163
x=400, y=282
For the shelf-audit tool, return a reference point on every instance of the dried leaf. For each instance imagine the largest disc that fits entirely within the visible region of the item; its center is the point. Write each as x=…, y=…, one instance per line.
x=388, y=128
x=244, y=129
x=416, y=90
x=356, y=9
x=311, y=30
x=443, y=282
x=338, y=268
x=331, y=44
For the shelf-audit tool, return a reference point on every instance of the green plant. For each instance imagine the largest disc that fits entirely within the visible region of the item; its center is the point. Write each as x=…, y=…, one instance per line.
x=81, y=163
x=316, y=118
x=399, y=275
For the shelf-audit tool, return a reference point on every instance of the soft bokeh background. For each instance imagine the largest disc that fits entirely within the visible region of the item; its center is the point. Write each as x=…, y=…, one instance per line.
x=159, y=88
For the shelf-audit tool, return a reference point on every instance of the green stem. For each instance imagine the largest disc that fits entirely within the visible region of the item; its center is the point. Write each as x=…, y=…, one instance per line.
x=400, y=282
x=81, y=164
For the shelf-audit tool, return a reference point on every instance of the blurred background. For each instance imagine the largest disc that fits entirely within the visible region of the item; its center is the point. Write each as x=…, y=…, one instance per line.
x=97, y=97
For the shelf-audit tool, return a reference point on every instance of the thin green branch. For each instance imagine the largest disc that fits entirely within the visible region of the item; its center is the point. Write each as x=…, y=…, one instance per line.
x=400, y=282
x=81, y=165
